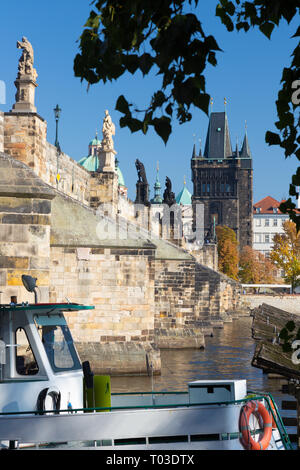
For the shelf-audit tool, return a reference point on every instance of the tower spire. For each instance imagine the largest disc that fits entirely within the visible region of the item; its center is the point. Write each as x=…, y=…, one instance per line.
x=157, y=196
x=245, y=151
x=194, y=155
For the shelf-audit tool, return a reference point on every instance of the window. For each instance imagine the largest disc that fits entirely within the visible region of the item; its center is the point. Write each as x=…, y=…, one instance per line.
x=57, y=341
x=203, y=188
x=25, y=360
x=267, y=238
x=267, y=222
x=275, y=222
x=208, y=188
x=257, y=237
x=258, y=222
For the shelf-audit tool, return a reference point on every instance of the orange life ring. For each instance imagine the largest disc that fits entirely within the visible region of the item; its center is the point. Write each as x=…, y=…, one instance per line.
x=261, y=412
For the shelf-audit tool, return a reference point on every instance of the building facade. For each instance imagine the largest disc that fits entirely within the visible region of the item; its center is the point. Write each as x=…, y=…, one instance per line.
x=267, y=221
x=222, y=180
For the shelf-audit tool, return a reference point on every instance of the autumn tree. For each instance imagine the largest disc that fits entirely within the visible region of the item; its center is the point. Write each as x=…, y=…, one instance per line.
x=255, y=268
x=227, y=251
x=286, y=253
x=167, y=38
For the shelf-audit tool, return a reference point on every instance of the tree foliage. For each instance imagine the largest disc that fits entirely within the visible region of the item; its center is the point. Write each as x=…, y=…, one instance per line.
x=167, y=37
x=286, y=253
x=228, y=256
x=255, y=268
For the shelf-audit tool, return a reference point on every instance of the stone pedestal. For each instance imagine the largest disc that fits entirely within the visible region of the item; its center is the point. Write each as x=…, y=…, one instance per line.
x=142, y=193
x=106, y=160
x=25, y=94
x=104, y=190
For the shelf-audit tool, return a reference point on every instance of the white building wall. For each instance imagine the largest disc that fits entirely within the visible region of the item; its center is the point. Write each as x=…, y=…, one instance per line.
x=265, y=226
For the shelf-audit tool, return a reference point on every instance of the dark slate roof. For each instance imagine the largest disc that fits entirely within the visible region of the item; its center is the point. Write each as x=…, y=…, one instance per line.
x=218, y=143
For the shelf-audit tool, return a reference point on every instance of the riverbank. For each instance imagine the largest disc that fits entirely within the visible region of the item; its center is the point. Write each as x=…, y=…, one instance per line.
x=288, y=302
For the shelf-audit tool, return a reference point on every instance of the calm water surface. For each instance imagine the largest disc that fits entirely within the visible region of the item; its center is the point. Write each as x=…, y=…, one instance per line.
x=227, y=355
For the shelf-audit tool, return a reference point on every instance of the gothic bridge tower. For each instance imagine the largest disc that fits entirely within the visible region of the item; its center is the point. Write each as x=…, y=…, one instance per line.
x=222, y=180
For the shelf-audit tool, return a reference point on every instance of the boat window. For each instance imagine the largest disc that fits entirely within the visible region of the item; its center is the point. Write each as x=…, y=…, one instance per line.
x=25, y=360
x=58, y=343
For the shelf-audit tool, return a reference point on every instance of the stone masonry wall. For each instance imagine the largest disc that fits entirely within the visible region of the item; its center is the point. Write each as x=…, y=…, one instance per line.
x=25, y=208
x=175, y=303
x=25, y=138
x=120, y=284
x=190, y=300
x=74, y=179
x=1, y=131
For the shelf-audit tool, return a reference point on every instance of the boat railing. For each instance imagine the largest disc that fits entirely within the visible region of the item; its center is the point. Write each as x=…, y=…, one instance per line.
x=267, y=398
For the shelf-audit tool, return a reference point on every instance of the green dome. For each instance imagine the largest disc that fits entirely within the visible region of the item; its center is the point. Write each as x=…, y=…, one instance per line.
x=95, y=141
x=184, y=197
x=120, y=177
x=90, y=163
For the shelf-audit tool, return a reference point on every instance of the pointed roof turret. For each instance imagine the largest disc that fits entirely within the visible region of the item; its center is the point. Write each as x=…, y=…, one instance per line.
x=246, y=152
x=194, y=152
x=218, y=145
x=237, y=154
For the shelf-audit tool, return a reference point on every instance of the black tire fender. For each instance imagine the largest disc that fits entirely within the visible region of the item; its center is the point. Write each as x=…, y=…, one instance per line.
x=54, y=393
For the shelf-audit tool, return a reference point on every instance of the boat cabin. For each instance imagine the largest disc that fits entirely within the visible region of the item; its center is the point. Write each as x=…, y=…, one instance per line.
x=39, y=364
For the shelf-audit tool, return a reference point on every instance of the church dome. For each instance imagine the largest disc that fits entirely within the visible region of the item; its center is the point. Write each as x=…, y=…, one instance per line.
x=120, y=177
x=95, y=142
x=90, y=163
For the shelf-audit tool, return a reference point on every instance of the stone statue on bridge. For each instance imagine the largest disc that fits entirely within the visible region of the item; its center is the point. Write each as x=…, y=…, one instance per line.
x=108, y=131
x=26, y=60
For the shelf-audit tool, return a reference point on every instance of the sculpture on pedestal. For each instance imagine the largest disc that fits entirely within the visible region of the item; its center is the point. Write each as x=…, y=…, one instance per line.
x=169, y=196
x=26, y=79
x=26, y=61
x=108, y=130
x=142, y=186
x=106, y=153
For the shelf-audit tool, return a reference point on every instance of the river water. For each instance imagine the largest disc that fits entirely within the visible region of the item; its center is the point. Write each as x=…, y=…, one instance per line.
x=227, y=355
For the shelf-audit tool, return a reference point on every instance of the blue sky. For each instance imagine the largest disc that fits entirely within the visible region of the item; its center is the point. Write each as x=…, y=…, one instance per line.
x=248, y=75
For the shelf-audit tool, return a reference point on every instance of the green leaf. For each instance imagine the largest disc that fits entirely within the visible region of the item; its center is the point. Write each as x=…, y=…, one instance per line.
x=169, y=109
x=272, y=138
x=283, y=334
x=290, y=326
x=122, y=105
x=163, y=127
x=145, y=63
x=286, y=347
x=266, y=29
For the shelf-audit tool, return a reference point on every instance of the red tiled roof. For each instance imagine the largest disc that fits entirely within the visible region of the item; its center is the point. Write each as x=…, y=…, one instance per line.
x=267, y=204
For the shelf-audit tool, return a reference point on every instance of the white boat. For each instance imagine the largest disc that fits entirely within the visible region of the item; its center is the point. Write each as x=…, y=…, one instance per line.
x=42, y=399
